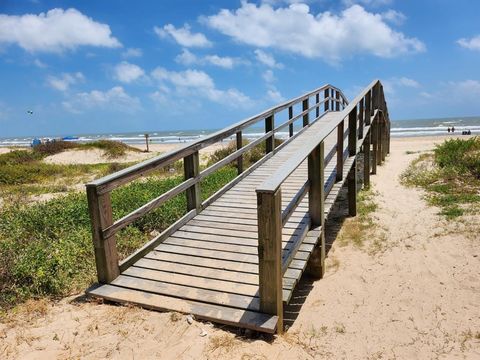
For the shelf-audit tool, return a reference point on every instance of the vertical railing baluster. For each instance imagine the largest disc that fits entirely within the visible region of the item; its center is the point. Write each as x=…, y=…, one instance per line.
x=366, y=159
x=290, y=116
x=316, y=199
x=340, y=142
x=270, y=142
x=374, y=139
x=368, y=108
x=240, y=158
x=337, y=100
x=361, y=114
x=352, y=150
x=306, y=116
x=106, y=256
x=317, y=109
x=191, y=167
x=325, y=97
x=269, y=213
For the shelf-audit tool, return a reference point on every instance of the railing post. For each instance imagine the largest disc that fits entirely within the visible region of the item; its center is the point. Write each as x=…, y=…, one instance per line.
x=352, y=175
x=316, y=199
x=317, y=109
x=361, y=113
x=269, y=210
x=352, y=132
x=270, y=142
x=326, y=103
x=304, y=108
x=240, y=158
x=290, y=116
x=366, y=160
x=340, y=142
x=380, y=139
x=337, y=102
x=374, y=138
x=191, y=167
x=106, y=257
x=368, y=108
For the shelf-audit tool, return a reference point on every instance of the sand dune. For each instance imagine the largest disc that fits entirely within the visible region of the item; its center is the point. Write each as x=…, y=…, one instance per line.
x=411, y=292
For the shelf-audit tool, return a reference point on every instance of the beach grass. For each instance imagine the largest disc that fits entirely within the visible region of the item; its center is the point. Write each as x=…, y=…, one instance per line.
x=450, y=175
x=46, y=249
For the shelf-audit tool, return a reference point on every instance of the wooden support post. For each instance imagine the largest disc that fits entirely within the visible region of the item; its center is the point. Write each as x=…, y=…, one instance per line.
x=270, y=142
x=368, y=108
x=316, y=200
x=325, y=104
x=106, y=257
x=380, y=139
x=337, y=102
x=269, y=209
x=146, y=142
x=352, y=132
x=374, y=138
x=240, y=158
x=340, y=142
x=304, y=108
x=290, y=116
x=374, y=98
x=384, y=137
x=191, y=167
x=361, y=113
x=366, y=160
x=352, y=190
x=317, y=100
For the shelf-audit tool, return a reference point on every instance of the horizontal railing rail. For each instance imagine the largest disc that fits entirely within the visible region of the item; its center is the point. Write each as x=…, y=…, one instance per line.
x=104, y=227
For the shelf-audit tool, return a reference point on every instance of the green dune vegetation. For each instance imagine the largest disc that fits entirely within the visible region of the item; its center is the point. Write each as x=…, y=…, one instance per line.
x=45, y=246
x=450, y=175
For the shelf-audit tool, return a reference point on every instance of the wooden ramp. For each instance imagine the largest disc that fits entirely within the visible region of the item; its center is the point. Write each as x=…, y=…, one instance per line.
x=213, y=263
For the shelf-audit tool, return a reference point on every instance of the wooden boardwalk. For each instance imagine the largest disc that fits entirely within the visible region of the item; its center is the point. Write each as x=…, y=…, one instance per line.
x=215, y=262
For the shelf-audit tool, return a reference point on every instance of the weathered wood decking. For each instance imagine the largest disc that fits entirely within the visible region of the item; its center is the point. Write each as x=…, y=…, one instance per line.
x=216, y=264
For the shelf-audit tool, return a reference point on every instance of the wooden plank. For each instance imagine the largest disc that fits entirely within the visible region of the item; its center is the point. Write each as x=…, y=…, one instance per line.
x=221, y=314
x=156, y=240
x=269, y=254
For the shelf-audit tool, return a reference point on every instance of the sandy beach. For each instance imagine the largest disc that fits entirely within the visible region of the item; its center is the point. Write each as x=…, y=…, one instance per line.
x=412, y=291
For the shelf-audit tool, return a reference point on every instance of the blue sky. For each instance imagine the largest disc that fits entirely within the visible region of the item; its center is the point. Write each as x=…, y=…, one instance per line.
x=113, y=66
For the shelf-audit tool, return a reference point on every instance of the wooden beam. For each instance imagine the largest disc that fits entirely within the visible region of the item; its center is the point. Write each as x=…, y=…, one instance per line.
x=366, y=160
x=105, y=248
x=270, y=142
x=337, y=102
x=269, y=210
x=240, y=158
x=317, y=100
x=326, y=96
x=361, y=113
x=340, y=139
x=352, y=132
x=352, y=190
x=191, y=166
x=316, y=200
x=306, y=120
x=290, y=126
x=374, y=140
x=368, y=108
x=380, y=139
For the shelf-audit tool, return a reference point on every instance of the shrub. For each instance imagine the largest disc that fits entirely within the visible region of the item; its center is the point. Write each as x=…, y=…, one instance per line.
x=53, y=147
x=113, y=149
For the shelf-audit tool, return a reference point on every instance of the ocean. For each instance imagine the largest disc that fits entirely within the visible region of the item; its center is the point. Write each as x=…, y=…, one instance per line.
x=400, y=128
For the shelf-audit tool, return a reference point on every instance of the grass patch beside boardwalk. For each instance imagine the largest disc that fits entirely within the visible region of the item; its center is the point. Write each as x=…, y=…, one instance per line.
x=450, y=175
x=46, y=248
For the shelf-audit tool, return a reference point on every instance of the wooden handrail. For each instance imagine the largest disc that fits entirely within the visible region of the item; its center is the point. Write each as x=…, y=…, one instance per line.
x=110, y=182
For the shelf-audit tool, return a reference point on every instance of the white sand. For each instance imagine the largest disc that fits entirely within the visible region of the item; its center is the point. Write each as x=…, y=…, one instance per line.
x=417, y=298
x=97, y=156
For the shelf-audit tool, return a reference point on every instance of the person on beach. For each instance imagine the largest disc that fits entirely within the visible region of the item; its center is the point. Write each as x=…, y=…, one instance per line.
x=453, y=129
x=448, y=129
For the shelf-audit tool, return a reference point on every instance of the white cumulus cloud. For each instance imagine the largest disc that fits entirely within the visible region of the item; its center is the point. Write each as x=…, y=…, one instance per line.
x=127, y=72
x=55, y=31
x=267, y=59
x=115, y=99
x=183, y=36
x=64, y=81
x=472, y=43
x=325, y=35
x=132, y=53
x=188, y=58
x=395, y=17
x=199, y=83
